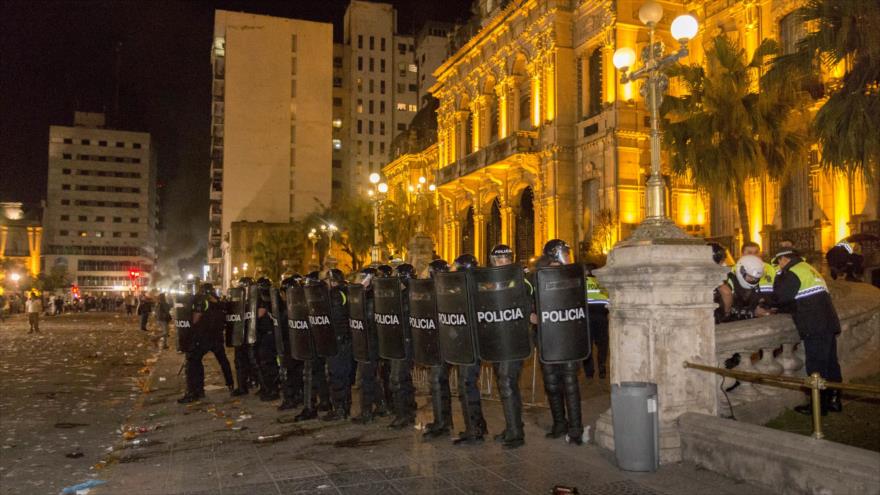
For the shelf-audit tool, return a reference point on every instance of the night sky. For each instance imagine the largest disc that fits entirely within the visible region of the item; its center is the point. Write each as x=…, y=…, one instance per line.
x=58, y=56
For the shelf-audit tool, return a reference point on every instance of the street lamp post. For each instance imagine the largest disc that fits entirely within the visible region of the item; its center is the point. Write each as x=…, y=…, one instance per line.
x=313, y=238
x=377, y=195
x=683, y=28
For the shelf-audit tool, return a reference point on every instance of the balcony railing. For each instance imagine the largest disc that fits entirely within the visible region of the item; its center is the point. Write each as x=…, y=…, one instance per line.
x=494, y=153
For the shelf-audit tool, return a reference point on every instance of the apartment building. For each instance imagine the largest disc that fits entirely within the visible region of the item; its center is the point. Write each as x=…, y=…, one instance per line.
x=272, y=146
x=101, y=205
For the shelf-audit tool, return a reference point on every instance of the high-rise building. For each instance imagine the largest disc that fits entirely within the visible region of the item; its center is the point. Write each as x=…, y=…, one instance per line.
x=432, y=48
x=101, y=205
x=381, y=81
x=272, y=145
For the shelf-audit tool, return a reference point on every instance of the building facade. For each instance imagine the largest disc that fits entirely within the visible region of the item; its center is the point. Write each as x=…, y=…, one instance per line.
x=537, y=138
x=272, y=135
x=21, y=234
x=101, y=205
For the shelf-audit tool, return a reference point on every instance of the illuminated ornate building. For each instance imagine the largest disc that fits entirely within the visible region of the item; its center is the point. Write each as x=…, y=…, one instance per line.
x=538, y=139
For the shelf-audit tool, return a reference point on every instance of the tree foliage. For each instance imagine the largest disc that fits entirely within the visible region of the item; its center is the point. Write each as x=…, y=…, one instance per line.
x=353, y=216
x=847, y=125
x=731, y=126
x=280, y=250
x=403, y=217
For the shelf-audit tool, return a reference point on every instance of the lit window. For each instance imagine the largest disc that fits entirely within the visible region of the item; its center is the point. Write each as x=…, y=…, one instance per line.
x=337, y=123
x=413, y=68
x=413, y=108
x=401, y=106
x=83, y=233
x=337, y=144
x=99, y=234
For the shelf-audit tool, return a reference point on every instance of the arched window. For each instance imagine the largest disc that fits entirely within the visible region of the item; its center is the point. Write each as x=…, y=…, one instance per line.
x=525, y=227
x=493, y=228
x=595, y=73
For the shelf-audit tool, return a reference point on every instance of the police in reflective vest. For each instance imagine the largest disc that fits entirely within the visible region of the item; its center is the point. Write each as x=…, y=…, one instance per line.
x=742, y=298
x=800, y=290
x=597, y=306
x=339, y=366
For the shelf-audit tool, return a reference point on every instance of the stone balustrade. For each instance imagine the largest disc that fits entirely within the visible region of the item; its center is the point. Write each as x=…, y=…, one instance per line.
x=771, y=345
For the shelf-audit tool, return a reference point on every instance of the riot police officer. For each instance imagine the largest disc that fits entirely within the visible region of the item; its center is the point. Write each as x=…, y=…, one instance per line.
x=561, y=384
x=384, y=372
x=597, y=307
x=339, y=366
x=469, y=382
x=403, y=391
x=245, y=371
x=316, y=393
x=208, y=322
x=368, y=363
x=291, y=369
x=265, y=332
x=441, y=396
x=507, y=375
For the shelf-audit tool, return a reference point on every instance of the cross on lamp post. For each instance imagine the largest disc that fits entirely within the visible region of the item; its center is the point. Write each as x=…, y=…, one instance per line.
x=656, y=224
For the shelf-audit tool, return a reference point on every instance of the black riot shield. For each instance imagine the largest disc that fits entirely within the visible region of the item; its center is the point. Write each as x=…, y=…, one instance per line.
x=563, y=325
x=359, y=324
x=423, y=322
x=279, y=327
x=455, y=318
x=318, y=301
x=501, y=313
x=253, y=303
x=389, y=318
x=302, y=346
x=183, y=321
x=235, y=316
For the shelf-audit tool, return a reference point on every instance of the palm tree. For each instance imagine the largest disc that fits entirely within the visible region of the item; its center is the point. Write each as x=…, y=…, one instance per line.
x=847, y=126
x=724, y=132
x=354, y=218
x=279, y=250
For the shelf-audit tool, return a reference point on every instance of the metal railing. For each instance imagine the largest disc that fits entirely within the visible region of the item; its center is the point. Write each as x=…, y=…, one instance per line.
x=814, y=382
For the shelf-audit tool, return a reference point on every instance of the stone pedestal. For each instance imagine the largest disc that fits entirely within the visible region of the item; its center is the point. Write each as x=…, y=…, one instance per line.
x=419, y=251
x=661, y=314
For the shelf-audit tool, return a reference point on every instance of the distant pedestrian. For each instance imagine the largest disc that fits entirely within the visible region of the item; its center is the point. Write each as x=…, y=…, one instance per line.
x=163, y=318
x=143, y=310
x=33, y=307
x=59, y=305
x=129, y=304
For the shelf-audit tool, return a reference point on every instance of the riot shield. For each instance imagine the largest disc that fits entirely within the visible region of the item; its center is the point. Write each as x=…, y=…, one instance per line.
x=183, y=321
x=501, y=310
x=302, y=346
x=359, y=324
x=455, y=318
x=389, y=318
x=563, y=325
x=423, y=322
x=318, y=301
x=279, y=327
x=253, y=293
x=236, y=315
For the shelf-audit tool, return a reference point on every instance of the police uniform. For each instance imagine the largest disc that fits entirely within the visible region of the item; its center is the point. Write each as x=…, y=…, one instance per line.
x=207, y=336
x=339, y=366
x=266, y=351
x=800, y=290
x=597, y=307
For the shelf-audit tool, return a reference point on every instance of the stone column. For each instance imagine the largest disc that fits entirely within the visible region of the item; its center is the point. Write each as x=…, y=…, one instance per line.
x=508, y=219
x=480, y=237
x=661, y=316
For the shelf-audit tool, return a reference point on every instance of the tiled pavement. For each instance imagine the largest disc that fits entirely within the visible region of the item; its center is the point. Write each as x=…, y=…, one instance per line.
x=227, y=446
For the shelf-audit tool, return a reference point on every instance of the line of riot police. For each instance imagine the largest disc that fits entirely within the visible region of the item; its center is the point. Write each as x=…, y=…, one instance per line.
x=303, y=338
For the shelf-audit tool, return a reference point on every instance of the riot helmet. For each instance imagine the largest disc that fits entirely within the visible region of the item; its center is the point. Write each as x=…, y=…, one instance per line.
x=245, y=282
x=335, y=276
x=719, y=254
x=749, y=270
x=405, y=271
x=208, y=289
x=501, y=255
x=384, y=270
x=291, y=281
x=558, y=250
x=465, y=262
x=437, y=266
x=200, y=303
x=365, y=276
x=264, y=283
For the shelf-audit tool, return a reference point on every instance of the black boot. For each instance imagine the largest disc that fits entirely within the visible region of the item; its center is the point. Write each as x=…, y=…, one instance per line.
x=325, y=406
x=305, y=415
x=365, y=417
x=833, y=403
x=475, y=425
x=188, y=398
x=287, y=404
x=513, y=435
x=381, y=409
x=441, y=405
x=572, y=391
x=807, y=409
x=337, y=414
x=557, y=411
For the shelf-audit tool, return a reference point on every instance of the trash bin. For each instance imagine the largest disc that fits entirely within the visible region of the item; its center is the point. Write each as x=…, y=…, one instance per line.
x=636, y=426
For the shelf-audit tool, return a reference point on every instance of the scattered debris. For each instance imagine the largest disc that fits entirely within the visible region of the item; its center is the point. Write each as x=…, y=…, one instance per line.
x=70, y=425
x=81, y=488
x=76, y=454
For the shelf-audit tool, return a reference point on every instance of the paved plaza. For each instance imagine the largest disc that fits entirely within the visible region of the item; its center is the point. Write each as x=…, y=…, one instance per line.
x=228, y=446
